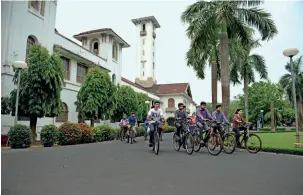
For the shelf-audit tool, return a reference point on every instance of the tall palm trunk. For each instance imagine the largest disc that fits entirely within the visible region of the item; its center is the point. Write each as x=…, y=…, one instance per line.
x=246, y=95
x=272, y=116
x=214, y=83
x=225, y=80
x=300, y=113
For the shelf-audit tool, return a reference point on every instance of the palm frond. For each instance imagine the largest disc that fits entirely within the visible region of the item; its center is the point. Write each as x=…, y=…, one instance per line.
x=258, y=63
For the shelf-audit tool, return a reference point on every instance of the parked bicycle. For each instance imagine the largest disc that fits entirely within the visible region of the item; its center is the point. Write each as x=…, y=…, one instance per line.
x=212, y=139
x=186, y=140
x=250, y=141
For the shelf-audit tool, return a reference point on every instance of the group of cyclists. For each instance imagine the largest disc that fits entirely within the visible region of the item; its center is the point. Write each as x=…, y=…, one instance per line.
x=155, y=120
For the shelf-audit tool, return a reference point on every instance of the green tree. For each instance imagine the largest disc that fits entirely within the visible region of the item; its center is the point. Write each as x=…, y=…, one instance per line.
x=231, y=19
x=244, y=69
x=142, y=108
x=5, y=105
x=126, y=103
x=286, y=82
x=96, y=95
x=40, y=87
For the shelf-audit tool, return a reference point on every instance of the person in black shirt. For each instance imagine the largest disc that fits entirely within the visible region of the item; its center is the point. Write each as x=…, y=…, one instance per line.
x=180, y=119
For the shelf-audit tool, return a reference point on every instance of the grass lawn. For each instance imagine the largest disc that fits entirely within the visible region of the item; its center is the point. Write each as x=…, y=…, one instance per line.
x=281, y=140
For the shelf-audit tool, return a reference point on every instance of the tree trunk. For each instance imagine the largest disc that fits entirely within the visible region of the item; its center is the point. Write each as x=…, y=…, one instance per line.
x=33, y=127
x=300, y=113
x=246, y=96
x=272, y=117
x=225, y=80
x=92, y=121
x=214, y=84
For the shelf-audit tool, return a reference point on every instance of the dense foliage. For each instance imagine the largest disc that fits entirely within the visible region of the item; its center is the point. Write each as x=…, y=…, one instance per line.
x=49, y=135
x=69, y=134
x=19, y=136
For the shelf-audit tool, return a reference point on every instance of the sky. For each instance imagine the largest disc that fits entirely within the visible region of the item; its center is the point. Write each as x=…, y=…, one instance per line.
x=172, y=43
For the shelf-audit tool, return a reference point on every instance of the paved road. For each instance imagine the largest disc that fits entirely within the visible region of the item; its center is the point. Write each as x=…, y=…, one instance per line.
x=115, y=168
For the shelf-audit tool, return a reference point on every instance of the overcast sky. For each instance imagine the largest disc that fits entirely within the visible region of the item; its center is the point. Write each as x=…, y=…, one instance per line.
x=74, y=17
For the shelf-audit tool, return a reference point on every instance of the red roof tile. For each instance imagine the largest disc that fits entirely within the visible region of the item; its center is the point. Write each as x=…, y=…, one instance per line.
x=172, y=88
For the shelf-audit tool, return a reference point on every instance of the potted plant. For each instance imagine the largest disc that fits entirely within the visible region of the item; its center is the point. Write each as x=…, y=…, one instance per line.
x=48, y=135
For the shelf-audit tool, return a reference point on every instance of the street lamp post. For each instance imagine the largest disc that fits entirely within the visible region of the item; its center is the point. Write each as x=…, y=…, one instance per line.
x=262, y=118
x=291, y=53
x=18, y=65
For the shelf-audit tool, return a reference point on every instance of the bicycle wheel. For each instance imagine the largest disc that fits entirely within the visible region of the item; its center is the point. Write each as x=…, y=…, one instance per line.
x=214, y=145
x=189, y=143
x=176, y=142
x=197, y=140
x=229, y=143
x=131, y=137
x=253, y=143
x=156, y=142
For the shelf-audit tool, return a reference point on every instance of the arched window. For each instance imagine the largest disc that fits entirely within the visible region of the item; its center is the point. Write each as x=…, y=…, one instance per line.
x=63, y=117
x=94, y=46
x=115, y=51
x=114, y=78
x=171, y=103
x=29, y=43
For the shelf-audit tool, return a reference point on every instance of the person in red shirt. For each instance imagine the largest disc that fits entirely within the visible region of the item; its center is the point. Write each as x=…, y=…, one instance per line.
x=237, y=124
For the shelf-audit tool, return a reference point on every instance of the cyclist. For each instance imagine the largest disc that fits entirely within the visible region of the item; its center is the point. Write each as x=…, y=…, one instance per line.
x=220, y=117
x=203, y=115
x=181, y=119
x=123, y=125
x=132, y=121
x=146, y=126
x=192, y=121
x=155, y=115
x=238, y=120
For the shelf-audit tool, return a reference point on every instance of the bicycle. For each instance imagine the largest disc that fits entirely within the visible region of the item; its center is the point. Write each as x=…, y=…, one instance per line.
x=212, y=139
x=186, y=140
x=228, y=139
x=156, y=140
x=123, y=132
x=131, y=134
x=247, y=136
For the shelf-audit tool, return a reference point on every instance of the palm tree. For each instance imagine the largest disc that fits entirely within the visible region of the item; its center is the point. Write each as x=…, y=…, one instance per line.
x=245, y=67
x=231, y=18
x=286, y=83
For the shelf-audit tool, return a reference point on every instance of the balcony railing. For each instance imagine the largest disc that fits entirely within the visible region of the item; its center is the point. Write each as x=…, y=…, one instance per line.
x=143, y=33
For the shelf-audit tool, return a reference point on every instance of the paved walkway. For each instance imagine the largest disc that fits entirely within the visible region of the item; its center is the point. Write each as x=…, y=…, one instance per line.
x=114, y=168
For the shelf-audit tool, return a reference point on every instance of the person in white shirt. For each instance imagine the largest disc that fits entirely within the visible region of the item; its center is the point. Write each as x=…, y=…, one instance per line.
x=155, y=116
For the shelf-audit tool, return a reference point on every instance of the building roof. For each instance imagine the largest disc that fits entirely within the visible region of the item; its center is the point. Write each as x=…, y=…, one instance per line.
x=148, y=18
x=171, y=88
x=101, y=30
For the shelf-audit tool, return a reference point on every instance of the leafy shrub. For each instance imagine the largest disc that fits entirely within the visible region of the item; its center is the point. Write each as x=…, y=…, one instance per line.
x=140, y=131
x=19, y=136
x=103, y=133
x=169, y=129
x=87, y=133
x=116, y=133
x=69, y=134
x=49, y=135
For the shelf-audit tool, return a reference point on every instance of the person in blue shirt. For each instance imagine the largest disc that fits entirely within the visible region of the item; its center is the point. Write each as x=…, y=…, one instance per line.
x=132, y=121
x=220, y=117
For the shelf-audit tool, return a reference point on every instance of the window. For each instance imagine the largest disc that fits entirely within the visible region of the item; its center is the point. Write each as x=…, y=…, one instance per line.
x=66, y=68
x=30, y=42
x=115, y=51
x=63, y=117
x=81, y=73
x=143, y=73
x=143, y=41
x=94, y=46
x=142, y=64
x=37, y=6
x=143, y=27
x=153, y=43
x=153, y=65
x=153, y=54
x=142, y=52
x=114, y=78
x=171, y=102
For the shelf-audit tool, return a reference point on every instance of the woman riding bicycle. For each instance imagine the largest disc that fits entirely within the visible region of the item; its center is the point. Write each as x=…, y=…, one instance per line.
x=237, y=124
x=123, y=126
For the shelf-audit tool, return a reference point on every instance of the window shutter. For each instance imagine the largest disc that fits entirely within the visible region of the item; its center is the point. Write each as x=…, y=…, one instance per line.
x=42, y=8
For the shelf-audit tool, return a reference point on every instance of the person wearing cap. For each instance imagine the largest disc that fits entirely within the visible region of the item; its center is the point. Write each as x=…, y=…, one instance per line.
x=181, y=119
x=203, y=115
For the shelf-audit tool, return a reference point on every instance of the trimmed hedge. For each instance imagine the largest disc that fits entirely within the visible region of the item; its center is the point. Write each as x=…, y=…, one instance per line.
x=19, y=136
x=278, y=129
x=69, y=134
x=296, y=151
x=87, y=133
x=104, y=133
x=49, y=135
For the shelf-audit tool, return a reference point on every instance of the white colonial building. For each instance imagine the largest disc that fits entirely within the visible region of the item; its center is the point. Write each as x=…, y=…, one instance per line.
x=25, y=23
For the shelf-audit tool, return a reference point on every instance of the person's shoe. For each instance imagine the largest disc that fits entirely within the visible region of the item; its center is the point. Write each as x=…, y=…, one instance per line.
x=134, y=141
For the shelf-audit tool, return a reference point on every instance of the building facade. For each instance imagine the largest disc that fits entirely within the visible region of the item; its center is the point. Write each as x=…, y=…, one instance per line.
x=25, y=23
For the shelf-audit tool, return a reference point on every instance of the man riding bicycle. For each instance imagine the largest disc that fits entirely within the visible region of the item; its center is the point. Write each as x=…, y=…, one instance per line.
x=220, y=117
x=155, y=115
x=132, y=121
x=181, y=119
x=203, y=115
